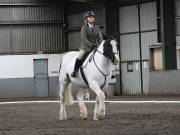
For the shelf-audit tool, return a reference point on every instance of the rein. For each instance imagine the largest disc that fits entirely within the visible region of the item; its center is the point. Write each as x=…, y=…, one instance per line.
x=97, y=66
x=105, y=75
x=92, y=58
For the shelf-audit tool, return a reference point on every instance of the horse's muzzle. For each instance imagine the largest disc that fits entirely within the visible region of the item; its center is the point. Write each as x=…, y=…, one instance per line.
x=115, y=60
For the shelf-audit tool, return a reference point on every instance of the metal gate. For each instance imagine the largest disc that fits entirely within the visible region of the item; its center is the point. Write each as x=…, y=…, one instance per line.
x=41, y=77
x=138, y=30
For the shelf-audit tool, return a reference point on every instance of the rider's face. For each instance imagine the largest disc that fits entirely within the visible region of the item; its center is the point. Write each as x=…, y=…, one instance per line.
x=90, y=19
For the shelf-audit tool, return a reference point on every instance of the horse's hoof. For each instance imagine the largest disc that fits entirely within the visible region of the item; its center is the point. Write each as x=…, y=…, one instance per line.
x=62, y=118
x=100, y=117
x=94, y=118
x=83, y=118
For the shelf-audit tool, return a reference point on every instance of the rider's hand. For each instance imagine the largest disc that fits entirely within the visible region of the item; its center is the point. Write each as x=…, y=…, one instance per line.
x=93, y=46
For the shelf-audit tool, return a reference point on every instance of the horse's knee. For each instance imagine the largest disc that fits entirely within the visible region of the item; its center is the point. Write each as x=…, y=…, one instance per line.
x=80, y=96
x=101, y=95
x=62, y=96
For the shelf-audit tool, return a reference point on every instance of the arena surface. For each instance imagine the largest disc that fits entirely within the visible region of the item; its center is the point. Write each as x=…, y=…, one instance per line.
x=145, y=116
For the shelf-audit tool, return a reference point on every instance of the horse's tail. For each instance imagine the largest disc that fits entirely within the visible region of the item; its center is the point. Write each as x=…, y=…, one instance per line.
x=58, y=86
x=60, y=64
x=68, y=95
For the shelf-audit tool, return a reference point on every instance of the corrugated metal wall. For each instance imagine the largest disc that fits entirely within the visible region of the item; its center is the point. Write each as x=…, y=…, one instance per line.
x=129, y=47
x=177, y=17
x=128, y=19
x=131, y=81
x=136, y=80
x=37, y=38
x=5, y=46
x=75, y=22
x=26, y=1
x=30, y=13
x=130, y=52
x=148, y=16
x=31, y=28
x=148, y=37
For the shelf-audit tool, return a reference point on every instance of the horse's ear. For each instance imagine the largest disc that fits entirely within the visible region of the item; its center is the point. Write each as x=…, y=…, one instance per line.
x=104, y=36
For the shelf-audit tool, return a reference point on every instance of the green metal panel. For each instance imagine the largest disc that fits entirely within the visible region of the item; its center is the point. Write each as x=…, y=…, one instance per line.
x=112, y=19
x=167, y=33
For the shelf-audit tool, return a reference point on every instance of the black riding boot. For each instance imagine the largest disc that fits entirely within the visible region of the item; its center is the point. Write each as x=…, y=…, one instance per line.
x=76, y=67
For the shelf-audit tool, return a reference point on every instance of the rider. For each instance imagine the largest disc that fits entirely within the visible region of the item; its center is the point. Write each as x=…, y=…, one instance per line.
x=91, y=37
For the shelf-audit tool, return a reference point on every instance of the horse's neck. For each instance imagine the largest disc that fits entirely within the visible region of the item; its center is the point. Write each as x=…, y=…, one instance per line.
x=102, y=62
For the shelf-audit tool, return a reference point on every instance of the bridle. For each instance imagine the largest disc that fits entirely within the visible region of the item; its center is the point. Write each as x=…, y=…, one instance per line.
x=112, y=56
x=92, y=58
x=104, y=74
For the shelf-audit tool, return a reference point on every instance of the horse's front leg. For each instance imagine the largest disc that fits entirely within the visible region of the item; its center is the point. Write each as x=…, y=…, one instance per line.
x=63, y=87
x=82, y=106
x=99, y=110
x=96, y=109
x=63, y=115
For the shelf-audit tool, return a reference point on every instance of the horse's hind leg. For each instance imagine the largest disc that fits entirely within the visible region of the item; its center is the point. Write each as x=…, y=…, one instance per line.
x=63, y=87
x=82, y=106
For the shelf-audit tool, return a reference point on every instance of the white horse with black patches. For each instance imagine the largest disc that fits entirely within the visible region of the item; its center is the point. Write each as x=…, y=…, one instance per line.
x=97, y=74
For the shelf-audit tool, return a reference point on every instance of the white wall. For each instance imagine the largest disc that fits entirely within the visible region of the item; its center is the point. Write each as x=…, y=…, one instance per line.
x=178, y=51
x=21, y=66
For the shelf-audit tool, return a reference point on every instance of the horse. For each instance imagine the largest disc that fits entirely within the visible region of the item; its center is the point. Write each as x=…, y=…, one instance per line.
x=97, y=72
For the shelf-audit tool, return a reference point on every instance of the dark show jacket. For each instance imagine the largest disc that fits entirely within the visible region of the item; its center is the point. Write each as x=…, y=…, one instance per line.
x=90, y=37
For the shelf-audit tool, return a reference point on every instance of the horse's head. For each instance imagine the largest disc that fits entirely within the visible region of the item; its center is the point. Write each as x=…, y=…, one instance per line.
x=110, y=49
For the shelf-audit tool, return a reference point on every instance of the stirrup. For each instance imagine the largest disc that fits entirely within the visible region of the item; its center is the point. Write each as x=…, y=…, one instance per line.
x=73, y=74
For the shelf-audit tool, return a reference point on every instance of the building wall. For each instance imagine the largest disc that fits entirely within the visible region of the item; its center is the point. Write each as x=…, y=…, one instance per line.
x=138, y=31
x=38, y=27
x=31, y=26
x=17, y=75
x=177, y=18
x=164, y=82
x=178, y=51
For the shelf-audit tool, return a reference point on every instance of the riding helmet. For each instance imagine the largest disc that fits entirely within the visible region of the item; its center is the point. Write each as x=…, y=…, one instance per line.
x=89, y=13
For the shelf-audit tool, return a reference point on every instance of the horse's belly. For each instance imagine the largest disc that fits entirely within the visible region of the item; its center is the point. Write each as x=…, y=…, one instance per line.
x=79, y=82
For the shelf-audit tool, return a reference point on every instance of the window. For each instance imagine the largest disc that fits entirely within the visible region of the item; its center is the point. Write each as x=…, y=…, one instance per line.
x=129, y=66
x=156, y=57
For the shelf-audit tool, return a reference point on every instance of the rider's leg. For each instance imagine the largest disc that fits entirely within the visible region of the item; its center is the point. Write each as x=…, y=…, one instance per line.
x=78, y=62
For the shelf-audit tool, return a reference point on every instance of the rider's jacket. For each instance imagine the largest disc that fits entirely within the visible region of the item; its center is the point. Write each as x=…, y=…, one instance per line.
x=90, y=37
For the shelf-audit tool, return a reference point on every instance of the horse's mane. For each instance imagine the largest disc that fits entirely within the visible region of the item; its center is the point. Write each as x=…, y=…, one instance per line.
x=107, y=37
